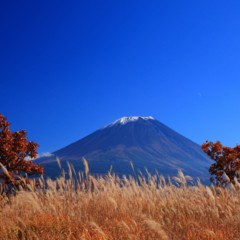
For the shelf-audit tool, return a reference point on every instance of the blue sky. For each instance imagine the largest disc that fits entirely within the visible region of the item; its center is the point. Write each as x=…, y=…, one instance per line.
x=71, y=67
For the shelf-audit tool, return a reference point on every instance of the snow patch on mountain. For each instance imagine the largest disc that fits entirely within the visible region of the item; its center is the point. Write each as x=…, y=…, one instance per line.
x=125, y=120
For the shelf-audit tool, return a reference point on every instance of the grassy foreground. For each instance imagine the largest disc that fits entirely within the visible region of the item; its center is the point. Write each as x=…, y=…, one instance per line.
x=109, y=208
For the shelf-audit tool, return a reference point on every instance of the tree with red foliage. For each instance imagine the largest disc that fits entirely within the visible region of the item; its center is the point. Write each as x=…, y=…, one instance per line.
x=227, y=161
x=14, y=149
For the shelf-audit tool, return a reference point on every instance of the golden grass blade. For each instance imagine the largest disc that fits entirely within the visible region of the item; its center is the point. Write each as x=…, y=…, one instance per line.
x=85, y=166
x=4, y=170
x=58, y=161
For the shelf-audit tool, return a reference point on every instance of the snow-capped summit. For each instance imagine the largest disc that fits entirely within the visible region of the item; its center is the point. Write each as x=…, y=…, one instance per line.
x=125, y=120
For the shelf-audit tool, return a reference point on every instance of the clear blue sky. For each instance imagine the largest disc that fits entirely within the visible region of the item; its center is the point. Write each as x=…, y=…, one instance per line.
x=68, y=68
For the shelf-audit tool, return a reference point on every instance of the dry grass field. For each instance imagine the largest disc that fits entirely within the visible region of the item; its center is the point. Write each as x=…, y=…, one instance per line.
x=110, y=208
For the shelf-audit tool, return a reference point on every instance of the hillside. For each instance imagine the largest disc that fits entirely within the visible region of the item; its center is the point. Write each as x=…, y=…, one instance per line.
x=144, y=141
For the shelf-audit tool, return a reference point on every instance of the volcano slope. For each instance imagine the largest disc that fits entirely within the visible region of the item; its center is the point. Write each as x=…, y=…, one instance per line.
x=144, y=141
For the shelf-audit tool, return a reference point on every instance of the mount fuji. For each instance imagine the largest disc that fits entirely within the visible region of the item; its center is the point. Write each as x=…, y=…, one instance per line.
x=144, y=141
